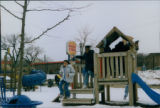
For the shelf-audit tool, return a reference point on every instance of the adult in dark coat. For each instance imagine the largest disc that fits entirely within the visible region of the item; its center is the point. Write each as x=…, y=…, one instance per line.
x=88, y=70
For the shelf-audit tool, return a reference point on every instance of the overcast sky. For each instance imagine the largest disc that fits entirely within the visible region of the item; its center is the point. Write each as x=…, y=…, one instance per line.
x=140, y=19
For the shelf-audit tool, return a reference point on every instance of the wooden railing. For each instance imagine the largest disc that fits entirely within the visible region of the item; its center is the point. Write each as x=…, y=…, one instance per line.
x=78, y=78
x=114, y=68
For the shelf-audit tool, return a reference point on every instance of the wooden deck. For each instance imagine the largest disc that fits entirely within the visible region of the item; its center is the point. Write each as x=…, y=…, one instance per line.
x=82, y=101
x=81, y=91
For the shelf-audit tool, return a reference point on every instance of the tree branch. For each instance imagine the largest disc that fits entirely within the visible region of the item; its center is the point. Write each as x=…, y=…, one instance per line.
x=35, y=10
x=10, y=12
x=14, y=59
x=14, y=49
x=28, y=2
x=48, y=29
x=19, y=3
x=27, y=58
x=62, y=9
x=17, y=56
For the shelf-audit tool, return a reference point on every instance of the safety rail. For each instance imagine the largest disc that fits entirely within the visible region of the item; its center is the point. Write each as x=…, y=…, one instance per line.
x=78, y=78
x=114, y=68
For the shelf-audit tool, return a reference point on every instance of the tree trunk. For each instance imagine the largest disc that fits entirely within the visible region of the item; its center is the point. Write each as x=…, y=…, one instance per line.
x=15, y=79
x=11, y=74
x=22, y=48
x=5, y=69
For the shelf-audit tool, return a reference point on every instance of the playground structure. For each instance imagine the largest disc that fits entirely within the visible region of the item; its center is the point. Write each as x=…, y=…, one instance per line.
x=111, y=68
x=36, y=77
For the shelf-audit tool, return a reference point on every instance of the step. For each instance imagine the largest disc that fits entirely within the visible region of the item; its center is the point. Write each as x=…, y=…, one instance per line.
x=81, y=91
x=117, y=103
x=80, y=101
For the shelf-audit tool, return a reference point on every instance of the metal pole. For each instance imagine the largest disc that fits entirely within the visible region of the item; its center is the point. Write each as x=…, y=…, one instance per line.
x=68, y=57
x=5, y=68
x=159, y=41
x=46, y=64
x=0, y=39
x=153, y=63
x=81, y=51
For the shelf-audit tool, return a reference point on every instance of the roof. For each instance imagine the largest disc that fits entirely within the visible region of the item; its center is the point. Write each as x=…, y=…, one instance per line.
x=113, y=35
x=56, y=62
x=3, y=62
x=155, y=54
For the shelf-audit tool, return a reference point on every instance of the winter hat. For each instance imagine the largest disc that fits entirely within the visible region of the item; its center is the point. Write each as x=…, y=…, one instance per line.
x=66, y=61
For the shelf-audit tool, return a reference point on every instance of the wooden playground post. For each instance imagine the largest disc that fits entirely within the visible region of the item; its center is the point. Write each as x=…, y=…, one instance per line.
x=103, y=76
x=108, y=77
x=96, y=86
x=80, y=76
x=108, y=92
x=75, y=80
x=134, y=57
x=131, y=86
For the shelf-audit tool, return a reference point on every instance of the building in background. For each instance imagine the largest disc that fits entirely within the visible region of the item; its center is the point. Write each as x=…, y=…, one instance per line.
x=48, y=67
x=150, y=61
x=153, y=61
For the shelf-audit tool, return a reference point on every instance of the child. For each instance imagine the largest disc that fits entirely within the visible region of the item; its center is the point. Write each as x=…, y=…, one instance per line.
x=67, y=73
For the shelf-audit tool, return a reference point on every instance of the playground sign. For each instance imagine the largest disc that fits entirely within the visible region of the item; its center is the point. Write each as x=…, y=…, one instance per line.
x=71, y=48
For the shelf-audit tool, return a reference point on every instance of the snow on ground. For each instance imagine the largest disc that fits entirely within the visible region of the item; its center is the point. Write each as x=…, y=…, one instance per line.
x=50, y=76
x=46, y=95
x=151, y=77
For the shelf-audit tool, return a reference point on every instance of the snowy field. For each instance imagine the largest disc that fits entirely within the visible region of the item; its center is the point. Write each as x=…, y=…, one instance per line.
x=46, y=95
x=151, y=77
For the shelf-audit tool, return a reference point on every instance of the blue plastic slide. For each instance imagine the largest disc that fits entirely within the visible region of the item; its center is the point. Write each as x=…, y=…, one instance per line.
x=152, y=94
x=36, y=77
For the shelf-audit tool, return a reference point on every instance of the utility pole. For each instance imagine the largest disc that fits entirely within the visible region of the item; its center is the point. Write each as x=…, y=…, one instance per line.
x=159, y=41
x=0, y=40
x=153, y=63
x=81, y=50
x=5, y=68
x=45, y=64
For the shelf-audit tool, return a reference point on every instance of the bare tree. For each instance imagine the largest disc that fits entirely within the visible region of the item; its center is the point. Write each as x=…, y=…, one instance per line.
x=25, y=9
x=12, y=44
x=93, y=43
x=31, y=54
x=83, y=37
